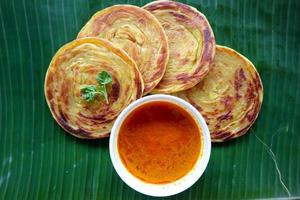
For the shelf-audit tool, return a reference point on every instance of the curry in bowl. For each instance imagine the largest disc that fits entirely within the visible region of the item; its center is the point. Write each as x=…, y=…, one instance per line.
x=159, y=142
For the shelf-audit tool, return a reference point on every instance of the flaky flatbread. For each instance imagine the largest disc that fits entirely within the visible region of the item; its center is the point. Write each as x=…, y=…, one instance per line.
x=191, y=45
x=77, y=64
x=229, y=97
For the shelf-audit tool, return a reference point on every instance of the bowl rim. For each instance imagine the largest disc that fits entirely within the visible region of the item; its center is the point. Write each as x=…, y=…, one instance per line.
x=168, y=189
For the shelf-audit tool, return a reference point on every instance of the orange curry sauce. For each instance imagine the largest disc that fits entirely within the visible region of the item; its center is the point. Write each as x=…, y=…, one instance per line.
x=159, y=142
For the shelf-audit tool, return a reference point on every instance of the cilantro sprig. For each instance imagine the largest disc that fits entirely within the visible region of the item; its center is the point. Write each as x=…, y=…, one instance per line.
x=89, y=92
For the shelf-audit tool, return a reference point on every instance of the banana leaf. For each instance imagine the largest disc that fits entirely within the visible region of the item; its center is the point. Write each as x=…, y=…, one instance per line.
x=38, y=160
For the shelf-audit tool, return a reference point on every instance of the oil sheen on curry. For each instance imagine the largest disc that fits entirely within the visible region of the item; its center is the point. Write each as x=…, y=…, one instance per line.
x=159, y=142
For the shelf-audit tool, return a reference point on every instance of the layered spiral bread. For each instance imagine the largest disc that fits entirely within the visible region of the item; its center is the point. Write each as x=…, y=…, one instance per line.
x=191, y=45
x=77, y=64
x=229, y=97
x=137, y=32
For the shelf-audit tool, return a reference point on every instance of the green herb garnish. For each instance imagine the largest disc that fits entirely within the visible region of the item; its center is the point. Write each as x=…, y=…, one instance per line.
x=89, y=92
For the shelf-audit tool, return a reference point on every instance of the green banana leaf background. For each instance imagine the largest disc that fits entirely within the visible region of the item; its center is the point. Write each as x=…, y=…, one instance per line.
x=38, y=160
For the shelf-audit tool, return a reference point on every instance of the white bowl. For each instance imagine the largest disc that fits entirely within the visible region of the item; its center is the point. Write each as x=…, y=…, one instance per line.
x=167, y=189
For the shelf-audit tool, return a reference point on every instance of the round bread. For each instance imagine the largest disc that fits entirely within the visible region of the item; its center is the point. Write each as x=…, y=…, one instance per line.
x=191, y=45
x=229, y=97
x=137, y=32
x=77, y=64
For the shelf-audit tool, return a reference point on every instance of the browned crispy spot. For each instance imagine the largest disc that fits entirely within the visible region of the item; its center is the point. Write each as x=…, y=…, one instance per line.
x=161, y=63
x=209, y=43
x=242, y=74
x=220, y=134
x=64, y=92
x=243, y=131
x=250, y=95
x=239, y=77
x=48, y=86
x=95, y=120
x=198, y=72
x=214, y=112
x=229, y=137
x=193, y=20
x=157, y=74
x=98, y=25
x=224, y=117
x=98, y=117
x=138, y=84
x=184, y=77
x=227, y=101
x=170, y=5
x=49, y=93
x=206, y=58
x=63, y=115
x=49, y=79
x=164, y=5
x=179, y=16
x=258, y=81
x=81, y=132
x=206, y=117
x=115, y=91
x=59, y=60
x=207, y=35
x=104, y=135
x=196, y=106
x=251, y=115
x=65, y=125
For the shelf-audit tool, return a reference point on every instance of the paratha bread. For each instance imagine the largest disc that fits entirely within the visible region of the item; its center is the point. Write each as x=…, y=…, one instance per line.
x=77, y=64
x=229, y=97
x=137, y=32
x=191, y=45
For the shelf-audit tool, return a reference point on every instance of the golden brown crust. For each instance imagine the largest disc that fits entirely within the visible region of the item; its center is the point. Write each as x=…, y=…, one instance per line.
x=137, y=32
x=191, y=45
x=229, y=97
x=76, y=64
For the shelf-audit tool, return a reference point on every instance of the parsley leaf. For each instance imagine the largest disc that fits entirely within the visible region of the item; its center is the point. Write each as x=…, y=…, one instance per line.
x=104, y=78
x=89, y=92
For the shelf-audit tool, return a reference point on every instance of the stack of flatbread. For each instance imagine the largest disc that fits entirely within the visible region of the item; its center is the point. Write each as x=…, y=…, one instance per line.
x=164, y=47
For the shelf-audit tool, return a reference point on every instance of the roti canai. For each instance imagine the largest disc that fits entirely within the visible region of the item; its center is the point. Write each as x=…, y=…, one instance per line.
x=77, y=64
x=229, y=97
x=191, y=45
